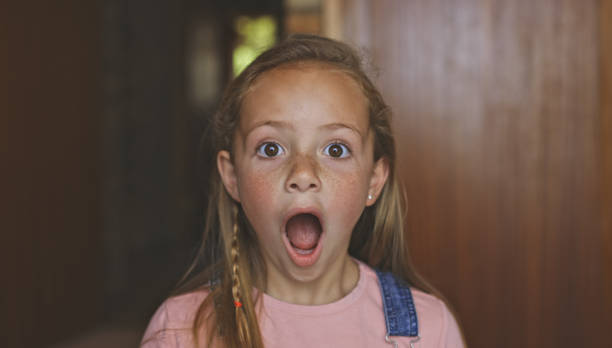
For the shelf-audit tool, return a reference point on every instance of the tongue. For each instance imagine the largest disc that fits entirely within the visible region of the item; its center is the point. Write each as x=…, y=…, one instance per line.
x=303, y=231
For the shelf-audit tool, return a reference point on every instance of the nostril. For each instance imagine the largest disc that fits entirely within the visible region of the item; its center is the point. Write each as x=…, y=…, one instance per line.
x=303, y=176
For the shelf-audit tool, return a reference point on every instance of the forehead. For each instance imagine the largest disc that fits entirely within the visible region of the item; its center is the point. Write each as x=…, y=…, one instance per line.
x=308, y=90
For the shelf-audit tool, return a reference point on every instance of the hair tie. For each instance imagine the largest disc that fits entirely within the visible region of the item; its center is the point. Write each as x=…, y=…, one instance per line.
x=238, y=304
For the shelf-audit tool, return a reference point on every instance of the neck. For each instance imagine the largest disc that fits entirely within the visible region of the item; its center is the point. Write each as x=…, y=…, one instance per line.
x=338, y=281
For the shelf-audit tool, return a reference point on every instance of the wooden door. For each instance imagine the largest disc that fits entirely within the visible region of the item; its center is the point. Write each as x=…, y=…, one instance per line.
x=50, y=250
x=503, y=122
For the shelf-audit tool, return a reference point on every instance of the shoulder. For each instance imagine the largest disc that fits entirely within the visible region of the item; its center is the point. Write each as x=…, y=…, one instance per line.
x=436, y=322
x=172, y=323
x=182, y=309
x=437, y=325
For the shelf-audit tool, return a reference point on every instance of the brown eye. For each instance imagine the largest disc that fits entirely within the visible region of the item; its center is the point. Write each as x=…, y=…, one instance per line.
x=269, y=150
x=337, y=150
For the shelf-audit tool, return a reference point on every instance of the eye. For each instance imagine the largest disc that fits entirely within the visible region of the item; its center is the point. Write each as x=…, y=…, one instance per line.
x=270, y=149
x=337, y=150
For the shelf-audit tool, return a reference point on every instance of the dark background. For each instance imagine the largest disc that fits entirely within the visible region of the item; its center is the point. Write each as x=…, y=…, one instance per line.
x=503, y=115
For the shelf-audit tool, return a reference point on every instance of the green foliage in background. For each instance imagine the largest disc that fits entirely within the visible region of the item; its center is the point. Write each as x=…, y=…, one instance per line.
x=256, y=35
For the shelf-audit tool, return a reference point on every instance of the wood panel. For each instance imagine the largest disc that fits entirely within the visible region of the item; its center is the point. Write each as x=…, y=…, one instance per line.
x=605, y=95
x=497, y=119
x=49, y=158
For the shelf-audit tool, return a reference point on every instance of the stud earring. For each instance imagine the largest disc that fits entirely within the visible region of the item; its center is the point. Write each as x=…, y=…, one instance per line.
x=370, y=197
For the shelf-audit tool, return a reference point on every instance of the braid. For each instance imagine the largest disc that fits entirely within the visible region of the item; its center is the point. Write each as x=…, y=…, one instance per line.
x=235, y=268
x=241, y=320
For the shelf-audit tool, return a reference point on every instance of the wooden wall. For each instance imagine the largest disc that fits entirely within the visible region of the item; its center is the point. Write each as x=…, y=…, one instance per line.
x=502, y=116
x=50, y=255
x=98, y=219
x=605, y=97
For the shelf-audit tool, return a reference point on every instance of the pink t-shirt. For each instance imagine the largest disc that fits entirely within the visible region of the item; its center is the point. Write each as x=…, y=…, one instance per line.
x=356, y=320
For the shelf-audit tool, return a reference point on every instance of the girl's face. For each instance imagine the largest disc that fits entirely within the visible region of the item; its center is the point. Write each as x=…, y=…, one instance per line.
x=303, y=169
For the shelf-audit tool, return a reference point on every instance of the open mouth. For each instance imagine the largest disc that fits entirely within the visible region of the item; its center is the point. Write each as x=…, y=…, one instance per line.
x=303, y=232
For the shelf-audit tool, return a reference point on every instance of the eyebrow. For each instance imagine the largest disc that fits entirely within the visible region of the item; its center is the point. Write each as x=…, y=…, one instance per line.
x=271, y=123
x=338, y=125
x=290, y=126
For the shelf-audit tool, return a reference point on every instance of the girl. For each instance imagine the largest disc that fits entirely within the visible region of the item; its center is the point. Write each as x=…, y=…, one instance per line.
x=304, y=228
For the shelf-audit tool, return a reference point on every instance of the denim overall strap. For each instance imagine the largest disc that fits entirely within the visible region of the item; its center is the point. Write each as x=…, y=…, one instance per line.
x=398, y=305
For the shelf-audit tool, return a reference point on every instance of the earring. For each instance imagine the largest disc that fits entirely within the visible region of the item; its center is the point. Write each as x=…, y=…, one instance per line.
x=370, y=197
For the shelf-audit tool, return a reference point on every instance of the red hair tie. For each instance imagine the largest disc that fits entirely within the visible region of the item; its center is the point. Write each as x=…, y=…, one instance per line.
x=238, y=304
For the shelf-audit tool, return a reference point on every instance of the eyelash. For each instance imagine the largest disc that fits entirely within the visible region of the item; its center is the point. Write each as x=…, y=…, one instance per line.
x=346, y=151
x=261, y=149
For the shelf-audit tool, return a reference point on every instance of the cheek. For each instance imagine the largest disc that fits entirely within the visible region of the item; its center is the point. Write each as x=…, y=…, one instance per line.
x=252, y=186
x=348, y=181
x=257, y=190
x=349, y=196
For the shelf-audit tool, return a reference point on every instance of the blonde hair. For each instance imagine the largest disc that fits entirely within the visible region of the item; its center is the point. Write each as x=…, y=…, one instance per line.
x=229, y=246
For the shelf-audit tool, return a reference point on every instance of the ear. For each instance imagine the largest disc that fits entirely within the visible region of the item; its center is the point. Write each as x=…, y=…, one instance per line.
x=227, y=171
x=380, y=173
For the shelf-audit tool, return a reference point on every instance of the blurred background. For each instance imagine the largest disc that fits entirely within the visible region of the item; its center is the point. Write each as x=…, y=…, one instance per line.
x=502, y=113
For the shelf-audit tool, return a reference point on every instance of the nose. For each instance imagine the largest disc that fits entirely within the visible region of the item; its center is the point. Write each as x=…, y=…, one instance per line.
x=304, y=175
